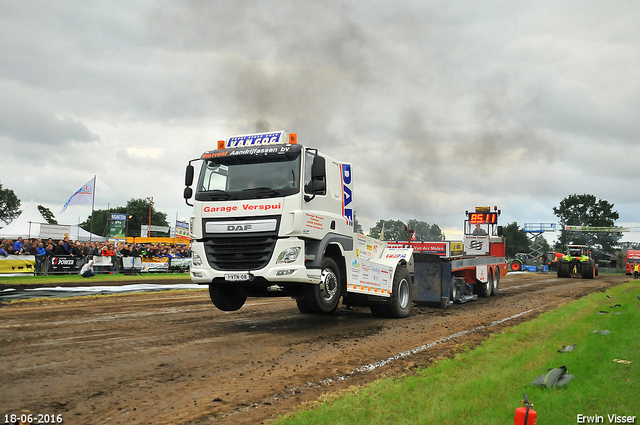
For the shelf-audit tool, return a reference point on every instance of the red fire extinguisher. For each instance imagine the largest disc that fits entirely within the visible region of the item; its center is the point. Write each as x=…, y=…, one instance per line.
x=525, y=415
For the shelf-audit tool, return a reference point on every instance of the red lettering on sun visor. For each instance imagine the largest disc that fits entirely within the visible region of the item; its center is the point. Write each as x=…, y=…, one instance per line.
x=245, y=207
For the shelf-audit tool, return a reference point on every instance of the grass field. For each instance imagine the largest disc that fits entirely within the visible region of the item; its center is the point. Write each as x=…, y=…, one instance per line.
x=485, y=385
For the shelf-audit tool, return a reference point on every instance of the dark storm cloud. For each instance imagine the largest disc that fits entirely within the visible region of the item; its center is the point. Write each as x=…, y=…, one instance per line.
x=299, y=65
x=439, y=105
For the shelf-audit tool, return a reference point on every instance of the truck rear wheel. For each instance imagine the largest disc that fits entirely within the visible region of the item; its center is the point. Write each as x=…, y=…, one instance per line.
x=455, y=295
x=325, y=296
x=399, y=303
x=226, y=297
x=496, y=283
x=485, y=288
x=401, y=299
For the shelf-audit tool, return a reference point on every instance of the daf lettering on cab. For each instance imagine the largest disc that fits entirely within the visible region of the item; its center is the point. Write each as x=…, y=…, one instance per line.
x=274, y=218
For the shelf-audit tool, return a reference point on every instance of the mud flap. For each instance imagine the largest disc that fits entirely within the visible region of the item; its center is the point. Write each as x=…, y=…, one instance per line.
x=431, y=280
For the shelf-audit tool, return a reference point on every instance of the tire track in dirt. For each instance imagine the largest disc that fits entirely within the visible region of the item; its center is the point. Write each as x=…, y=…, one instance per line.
x=174, y=358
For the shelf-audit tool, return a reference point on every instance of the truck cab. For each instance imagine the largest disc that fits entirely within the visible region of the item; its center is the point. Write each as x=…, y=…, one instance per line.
x=268, y=212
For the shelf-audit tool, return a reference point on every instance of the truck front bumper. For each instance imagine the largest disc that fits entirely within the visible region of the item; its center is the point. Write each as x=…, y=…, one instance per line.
x=275, y=272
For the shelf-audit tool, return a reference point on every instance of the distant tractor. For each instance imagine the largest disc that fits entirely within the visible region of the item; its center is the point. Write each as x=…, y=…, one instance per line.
x=577, y=262
x=524, y=262
x=528, y=262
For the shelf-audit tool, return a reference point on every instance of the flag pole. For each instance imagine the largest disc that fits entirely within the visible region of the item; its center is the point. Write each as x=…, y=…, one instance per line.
x=93, y=202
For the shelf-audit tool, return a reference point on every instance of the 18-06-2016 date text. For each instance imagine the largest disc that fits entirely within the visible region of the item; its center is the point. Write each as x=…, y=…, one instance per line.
x=31, y=418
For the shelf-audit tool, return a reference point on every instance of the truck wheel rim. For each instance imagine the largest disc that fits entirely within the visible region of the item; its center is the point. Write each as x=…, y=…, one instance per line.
x=403, y=293
x=328, y=284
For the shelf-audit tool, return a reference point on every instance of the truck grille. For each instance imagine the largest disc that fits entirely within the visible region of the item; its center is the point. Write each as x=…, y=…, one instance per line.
x=239, y=253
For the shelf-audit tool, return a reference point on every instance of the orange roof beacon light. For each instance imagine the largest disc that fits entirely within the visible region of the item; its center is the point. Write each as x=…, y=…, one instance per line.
x=293, y=138
x=221, y=144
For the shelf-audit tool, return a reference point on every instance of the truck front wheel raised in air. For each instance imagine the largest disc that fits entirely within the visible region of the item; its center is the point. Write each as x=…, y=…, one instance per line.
x=226, y=297
x=325, y=296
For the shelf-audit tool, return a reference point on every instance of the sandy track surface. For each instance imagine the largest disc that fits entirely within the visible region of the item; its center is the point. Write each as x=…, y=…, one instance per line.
x=170, y=357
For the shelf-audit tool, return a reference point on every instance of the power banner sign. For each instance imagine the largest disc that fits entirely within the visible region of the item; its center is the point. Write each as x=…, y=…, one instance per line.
x=64, y=264
x=17, y=264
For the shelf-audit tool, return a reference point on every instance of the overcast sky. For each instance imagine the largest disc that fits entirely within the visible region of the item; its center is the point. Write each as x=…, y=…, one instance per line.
x=440, y=106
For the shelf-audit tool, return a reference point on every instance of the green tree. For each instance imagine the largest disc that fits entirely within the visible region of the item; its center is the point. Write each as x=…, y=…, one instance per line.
x=395, y=230
x=425, y=231
x=587, y=210
x=9, y=205
x=47, y=214
x=392, y=230
x=137, y=211
x=516, y=240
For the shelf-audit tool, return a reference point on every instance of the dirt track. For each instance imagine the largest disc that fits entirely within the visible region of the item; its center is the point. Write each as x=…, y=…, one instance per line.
x=162, y=358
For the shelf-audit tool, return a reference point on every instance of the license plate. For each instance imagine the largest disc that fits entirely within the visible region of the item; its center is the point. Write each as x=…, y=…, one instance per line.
x=242, y=277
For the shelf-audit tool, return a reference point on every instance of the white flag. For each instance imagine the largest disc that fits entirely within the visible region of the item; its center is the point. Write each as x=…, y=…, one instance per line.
x=84, y=195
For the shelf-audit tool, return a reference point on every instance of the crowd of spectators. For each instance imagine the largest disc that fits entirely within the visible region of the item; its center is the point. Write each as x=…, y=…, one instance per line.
x=65, y=247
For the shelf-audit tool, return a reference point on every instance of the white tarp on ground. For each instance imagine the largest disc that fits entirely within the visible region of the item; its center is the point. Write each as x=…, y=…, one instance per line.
x=28, y=224
x=18, y=294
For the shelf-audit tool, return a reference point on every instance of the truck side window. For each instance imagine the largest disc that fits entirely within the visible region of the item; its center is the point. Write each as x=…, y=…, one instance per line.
x=308, y=173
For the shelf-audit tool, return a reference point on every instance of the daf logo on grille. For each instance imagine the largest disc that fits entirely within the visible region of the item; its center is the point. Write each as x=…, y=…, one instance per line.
x=239, y=228
x=244, y=226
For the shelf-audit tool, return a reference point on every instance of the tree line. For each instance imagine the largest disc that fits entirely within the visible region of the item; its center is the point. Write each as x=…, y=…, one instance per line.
x=136, y=211
x=575, y=209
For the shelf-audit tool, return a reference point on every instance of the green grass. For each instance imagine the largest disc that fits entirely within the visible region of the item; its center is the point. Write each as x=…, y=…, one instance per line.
x=485, y=385
x=118, y=278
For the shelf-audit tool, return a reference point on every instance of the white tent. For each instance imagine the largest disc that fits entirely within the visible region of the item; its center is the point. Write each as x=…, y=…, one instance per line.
x=27, y=225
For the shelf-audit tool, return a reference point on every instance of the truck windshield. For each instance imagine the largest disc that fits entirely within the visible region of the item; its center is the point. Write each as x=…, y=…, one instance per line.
x=244, y=174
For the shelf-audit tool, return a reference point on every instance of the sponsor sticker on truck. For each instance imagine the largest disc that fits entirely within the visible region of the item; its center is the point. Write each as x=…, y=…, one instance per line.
x=255, y=139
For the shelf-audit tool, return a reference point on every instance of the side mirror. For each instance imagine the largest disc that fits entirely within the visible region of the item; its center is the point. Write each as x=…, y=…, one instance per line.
x=318, y=178
x=318, y=186
x=317, y=168
x=188, y=193
x=188, y=177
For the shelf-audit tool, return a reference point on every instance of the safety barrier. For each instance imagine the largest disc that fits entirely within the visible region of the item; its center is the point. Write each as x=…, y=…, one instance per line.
x=68, y=264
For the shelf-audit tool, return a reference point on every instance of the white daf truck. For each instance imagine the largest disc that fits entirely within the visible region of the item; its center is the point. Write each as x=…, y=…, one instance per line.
x=273, y=218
